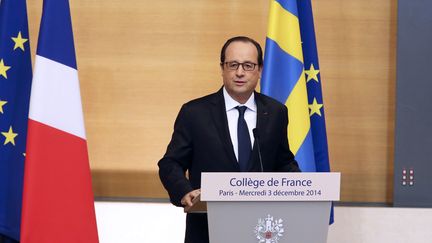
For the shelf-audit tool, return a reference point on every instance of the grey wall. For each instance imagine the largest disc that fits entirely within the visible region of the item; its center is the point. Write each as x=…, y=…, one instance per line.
x=413, y=137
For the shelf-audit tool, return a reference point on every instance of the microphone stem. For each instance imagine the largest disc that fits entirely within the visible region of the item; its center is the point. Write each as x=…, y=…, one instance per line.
x=255, y=133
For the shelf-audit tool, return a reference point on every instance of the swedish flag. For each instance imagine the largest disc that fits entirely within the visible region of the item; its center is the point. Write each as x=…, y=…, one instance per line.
x=291, y=75
x=15, y=85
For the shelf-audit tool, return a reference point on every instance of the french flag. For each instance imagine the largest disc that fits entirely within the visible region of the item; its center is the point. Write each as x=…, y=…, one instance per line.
x=58, y=203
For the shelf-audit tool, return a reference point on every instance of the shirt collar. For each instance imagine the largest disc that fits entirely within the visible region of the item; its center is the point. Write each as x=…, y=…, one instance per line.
x=230, y=103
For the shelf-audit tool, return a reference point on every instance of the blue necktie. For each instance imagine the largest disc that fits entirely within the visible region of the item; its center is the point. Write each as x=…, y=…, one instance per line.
x=244, y=142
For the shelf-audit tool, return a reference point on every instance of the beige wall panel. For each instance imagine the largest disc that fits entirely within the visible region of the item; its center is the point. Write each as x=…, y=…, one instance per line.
x=357, y=45
x=140, y=60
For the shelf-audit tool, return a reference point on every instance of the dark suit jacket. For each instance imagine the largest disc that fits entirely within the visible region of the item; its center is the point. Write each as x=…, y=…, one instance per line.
x=201, y=143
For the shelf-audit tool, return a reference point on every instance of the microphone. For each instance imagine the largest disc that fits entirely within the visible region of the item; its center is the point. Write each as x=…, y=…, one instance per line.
x=256, y=136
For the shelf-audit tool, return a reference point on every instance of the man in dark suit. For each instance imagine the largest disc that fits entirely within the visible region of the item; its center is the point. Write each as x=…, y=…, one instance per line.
x=214, y=133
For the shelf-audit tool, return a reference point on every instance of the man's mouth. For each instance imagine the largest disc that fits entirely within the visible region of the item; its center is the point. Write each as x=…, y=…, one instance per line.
x=239, y=81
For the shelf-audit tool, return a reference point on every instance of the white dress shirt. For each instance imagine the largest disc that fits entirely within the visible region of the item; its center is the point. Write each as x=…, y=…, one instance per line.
x=233, y=114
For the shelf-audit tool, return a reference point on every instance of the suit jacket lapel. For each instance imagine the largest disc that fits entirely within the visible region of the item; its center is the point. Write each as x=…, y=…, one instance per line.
x=218, y=112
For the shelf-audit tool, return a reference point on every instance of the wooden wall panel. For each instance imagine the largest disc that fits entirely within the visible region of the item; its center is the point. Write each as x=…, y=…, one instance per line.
x=140, y=60
x=357, y=45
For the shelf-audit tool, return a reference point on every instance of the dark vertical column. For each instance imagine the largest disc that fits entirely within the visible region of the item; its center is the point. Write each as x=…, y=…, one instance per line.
x=413, y=137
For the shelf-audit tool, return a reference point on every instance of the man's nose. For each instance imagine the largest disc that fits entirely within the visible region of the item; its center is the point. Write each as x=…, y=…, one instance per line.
x=240, y=71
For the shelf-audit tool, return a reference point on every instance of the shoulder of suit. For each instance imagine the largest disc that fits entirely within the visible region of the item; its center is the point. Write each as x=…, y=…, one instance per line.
x=205, y=100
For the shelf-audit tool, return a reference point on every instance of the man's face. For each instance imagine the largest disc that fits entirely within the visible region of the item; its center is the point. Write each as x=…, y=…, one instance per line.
x=240, y=83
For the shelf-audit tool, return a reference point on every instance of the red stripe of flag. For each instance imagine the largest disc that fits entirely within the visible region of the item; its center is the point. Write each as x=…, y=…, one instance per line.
x=58, y=201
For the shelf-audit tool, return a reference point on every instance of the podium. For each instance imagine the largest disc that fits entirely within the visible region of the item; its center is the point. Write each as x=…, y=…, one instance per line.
x=269, y=207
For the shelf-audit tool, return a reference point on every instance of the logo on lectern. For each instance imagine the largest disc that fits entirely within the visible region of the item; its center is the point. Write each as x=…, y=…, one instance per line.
x=269, y=230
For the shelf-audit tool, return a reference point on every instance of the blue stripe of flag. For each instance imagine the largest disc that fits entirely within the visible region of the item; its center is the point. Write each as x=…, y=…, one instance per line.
x=55, y=36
